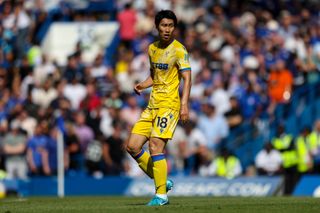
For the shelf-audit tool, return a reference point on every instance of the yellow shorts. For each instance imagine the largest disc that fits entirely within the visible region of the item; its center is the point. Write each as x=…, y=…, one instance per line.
x=158, y=123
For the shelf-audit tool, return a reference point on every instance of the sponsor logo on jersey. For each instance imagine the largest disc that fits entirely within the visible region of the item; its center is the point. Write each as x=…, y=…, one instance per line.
x=160, y=66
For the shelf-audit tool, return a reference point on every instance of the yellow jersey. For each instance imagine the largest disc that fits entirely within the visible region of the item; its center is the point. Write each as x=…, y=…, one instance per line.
x=166, y=65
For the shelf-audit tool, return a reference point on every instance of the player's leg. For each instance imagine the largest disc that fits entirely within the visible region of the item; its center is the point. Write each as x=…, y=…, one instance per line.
x=139, y=136
x=143, y=158
x=156, y=147
x=162, y=130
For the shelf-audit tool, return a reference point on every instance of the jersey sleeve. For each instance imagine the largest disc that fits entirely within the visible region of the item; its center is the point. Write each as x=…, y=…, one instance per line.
x=183, y=59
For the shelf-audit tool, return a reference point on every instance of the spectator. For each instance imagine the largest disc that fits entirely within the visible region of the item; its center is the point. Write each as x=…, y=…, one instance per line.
x=196, y=62
x=268, y=161
x=14, y=149
x=43, y=70
x=205, y=157
x=284, y=143
x=175, y=151
x=27, y=84
x=123, y=71
x=113, y=151
x=280, y=83
x=303, y=155
x=140, y=64
x=75, y=92
x=44, y=94
x=131, y=112
x=50, y=153
x=14, y=103
x=114, y=100
x=313, y=144
x=94, y=159
x=57, y=102
x=92, y=101
x=94, y=120
x=234, y=115
x=18, y=22
x=107, y=117
x=194, y=141
x=25, y=122
x=225, y=165
x=213, y=125
x=73, y=70
x=25, y=68
x=196, y=94
x=220, y=98
x=83, y=131
x=106, y=84
x=287, y=29
x=98, y=69
x=250, y=102
x=127, y=20
x=36, y=151
x=75, y=159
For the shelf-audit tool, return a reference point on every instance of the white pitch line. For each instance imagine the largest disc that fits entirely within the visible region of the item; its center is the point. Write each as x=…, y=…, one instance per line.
x=15, y=200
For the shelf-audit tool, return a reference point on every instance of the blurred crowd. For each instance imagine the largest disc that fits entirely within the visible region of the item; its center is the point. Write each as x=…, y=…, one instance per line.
x=247, y=58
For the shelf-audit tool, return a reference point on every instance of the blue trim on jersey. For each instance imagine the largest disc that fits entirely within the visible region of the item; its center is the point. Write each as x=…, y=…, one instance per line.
x=157, y=157
x=185, y=69
x=139, y=155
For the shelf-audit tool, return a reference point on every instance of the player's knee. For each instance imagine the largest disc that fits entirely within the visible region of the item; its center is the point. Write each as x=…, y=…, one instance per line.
x=156, y=147
x=132, y=148
x=135, y=144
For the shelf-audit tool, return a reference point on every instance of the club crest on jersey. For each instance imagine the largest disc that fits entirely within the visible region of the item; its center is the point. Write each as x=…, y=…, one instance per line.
x=170, y=115
x=160, y=66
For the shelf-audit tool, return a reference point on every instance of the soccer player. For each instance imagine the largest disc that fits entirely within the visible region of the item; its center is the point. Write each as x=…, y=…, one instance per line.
x=169, y=63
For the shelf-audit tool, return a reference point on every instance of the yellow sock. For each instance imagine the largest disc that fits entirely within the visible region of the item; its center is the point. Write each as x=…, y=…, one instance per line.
x=160, y=173
x=145, y=162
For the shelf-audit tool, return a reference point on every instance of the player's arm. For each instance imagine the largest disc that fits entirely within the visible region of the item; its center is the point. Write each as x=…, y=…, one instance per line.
x=185, y=72
x=143, y=85
x=184, y=110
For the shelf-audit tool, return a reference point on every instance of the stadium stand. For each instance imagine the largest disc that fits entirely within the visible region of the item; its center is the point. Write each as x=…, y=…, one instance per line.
x=263, y=55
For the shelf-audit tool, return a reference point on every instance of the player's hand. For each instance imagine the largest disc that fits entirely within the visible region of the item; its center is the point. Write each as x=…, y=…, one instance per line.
x=184, y=113
x=138, y=89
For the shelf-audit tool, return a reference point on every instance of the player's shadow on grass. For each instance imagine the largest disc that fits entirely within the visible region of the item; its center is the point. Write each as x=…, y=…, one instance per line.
x=144, y=204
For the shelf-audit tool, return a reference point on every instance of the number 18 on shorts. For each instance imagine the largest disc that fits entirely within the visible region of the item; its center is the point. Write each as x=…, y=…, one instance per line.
x=159, y=123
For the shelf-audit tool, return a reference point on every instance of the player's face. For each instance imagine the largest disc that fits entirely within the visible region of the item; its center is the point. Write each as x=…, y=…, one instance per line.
x=166, y=28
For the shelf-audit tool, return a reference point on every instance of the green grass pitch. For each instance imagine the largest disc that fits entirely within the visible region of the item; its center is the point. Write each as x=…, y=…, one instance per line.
x=177, y=204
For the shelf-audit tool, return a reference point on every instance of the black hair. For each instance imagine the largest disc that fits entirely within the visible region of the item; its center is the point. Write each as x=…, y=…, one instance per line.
x=165, y=14
x=127, y=6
